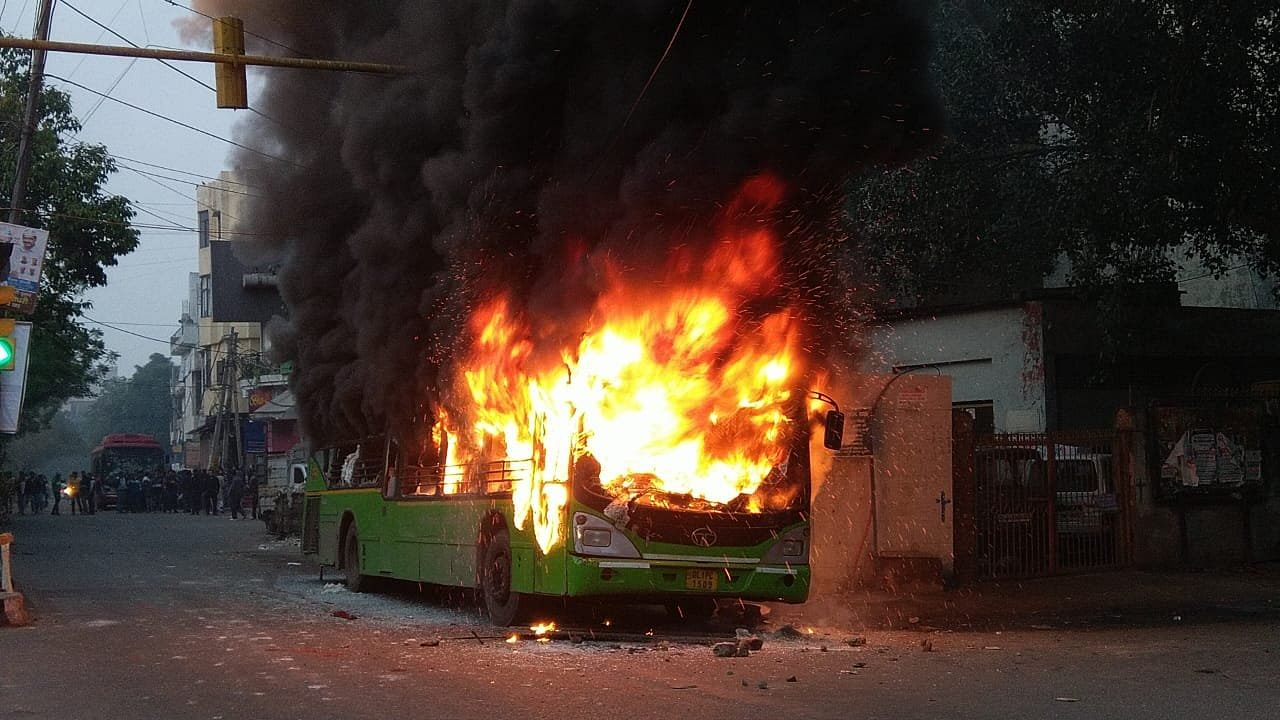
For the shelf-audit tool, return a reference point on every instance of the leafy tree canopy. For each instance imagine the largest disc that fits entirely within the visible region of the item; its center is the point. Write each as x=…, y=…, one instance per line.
x=140, y=404
x=88, y=231
x=1115, y=134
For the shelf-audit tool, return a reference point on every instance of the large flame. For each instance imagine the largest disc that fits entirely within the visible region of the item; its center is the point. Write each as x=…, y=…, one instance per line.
x=672, y=387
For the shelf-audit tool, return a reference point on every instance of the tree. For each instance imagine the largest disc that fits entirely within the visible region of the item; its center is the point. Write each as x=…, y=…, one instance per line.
x=1114, y=134
x=88, y=231
x=139, y=404
x=59, y=447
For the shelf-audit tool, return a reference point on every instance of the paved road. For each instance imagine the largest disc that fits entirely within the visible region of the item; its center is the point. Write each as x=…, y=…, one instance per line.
x=169, y=616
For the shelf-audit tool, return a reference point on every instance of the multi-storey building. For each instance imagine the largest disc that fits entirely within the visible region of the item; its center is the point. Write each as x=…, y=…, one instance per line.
x=229, y=304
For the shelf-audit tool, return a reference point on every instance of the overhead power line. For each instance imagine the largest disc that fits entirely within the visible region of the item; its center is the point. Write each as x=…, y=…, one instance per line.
x=179, y=123
x=166, y=63
x=246, y=32
x=172, y=169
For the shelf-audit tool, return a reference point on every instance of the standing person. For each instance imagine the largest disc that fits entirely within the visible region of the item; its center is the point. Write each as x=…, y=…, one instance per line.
x=57, y=493
x=171, y=492
x=99, y=494
x=211, y=488
x=235, y=494
x=253, y=492
x=91, y=491
x=73, y=491
x=21, y=488
x=40, y=486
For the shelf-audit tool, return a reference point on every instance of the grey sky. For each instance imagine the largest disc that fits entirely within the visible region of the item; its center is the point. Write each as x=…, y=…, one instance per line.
x=149, y=285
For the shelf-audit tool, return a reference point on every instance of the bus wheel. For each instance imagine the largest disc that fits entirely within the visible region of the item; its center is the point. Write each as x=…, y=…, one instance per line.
x=356, y=582
x=500, y=602
x=691, y=609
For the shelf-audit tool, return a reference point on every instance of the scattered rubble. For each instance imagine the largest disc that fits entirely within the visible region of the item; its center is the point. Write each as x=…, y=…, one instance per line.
x=857, y=641
x=344, y=615
x=725, y=649
x=788, y=631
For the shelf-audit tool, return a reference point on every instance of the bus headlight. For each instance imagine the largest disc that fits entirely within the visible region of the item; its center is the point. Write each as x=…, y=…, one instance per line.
x=792, y=547
x=593, y=535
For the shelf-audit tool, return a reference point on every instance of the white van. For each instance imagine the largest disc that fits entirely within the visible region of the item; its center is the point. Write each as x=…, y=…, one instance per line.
x=1085, y=501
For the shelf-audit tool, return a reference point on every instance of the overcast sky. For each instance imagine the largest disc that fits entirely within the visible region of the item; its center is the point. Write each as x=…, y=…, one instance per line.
x=145, y=291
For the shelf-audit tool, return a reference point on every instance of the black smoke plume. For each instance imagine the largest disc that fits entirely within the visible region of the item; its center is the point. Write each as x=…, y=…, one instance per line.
x=534, y=138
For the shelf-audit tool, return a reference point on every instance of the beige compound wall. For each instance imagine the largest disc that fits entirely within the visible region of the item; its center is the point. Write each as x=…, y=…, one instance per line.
x=878, y=505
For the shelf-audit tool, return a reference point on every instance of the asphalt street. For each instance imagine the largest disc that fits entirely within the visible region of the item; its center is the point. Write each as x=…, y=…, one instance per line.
x=172, y=616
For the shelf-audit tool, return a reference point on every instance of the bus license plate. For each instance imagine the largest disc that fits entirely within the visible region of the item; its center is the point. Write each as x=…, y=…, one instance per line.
x=701, y=579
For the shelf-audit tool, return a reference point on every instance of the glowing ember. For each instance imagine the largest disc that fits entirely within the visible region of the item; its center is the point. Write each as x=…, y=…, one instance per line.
x=513, y=639
x=541, y=629
x=672, y=388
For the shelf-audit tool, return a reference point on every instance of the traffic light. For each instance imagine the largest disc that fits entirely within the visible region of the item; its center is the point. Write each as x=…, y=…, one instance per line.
x=229, y=78
x=8, y=348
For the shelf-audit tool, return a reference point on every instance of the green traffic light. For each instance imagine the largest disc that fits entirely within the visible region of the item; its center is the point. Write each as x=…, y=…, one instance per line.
x=6, y=353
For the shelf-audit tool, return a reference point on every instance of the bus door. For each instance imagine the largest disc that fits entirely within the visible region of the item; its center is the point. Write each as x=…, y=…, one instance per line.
x=402, y=547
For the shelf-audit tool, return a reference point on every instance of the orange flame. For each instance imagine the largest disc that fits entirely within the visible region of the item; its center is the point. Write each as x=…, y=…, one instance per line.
x=670, y=387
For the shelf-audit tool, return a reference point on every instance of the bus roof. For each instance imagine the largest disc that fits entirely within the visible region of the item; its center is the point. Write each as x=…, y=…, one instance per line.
x=128, y=440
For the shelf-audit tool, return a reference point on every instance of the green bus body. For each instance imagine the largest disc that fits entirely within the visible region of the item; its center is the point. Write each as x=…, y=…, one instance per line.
x=440, y=540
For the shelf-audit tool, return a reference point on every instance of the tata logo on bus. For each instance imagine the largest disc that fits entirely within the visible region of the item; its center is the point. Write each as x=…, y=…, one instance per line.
x=703, y=537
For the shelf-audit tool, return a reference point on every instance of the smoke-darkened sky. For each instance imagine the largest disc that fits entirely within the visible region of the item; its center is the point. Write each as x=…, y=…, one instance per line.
x=533, y=139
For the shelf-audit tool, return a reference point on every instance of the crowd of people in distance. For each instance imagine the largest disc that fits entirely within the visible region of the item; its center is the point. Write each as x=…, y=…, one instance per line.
x=140, y=491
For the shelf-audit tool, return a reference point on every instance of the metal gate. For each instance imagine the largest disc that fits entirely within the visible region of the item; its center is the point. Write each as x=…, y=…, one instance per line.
x=1048, y=503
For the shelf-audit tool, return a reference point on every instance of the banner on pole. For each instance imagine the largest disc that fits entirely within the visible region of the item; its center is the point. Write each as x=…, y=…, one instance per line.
x=25, y=248
x=13, y=384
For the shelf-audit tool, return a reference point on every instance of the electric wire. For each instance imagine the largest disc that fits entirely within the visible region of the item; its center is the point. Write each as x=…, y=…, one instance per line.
x=246, y=32
x=177, y=122
x=166, y=63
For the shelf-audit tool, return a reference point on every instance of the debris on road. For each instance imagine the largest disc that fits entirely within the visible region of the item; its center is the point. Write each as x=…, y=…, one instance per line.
x=344, y=615
x=725, y=649
x=793, y=678
x=857, y=641
x=748, y=640
x=433, y=642
x=926, y=645
x=788, y=631
x=1067, y=699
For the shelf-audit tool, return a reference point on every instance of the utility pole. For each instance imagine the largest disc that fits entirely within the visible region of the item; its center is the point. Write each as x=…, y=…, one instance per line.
x=234, y=381
x=44, y=18
x=227, y=436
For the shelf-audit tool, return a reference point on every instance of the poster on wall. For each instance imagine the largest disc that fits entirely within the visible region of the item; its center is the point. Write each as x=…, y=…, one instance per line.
x=1204, y=457
x=1214, y=447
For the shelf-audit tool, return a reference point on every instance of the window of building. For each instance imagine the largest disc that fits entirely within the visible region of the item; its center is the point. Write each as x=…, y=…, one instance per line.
x=206, y=296
x=983, y=414
x=197, y=388
x=203, y=218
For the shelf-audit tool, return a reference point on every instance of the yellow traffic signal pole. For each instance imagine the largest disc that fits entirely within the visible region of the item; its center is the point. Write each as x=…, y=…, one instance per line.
x=210, y=57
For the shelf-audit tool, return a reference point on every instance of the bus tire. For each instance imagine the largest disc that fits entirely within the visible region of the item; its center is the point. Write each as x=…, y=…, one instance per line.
x=356, y=582
x=501, y=603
